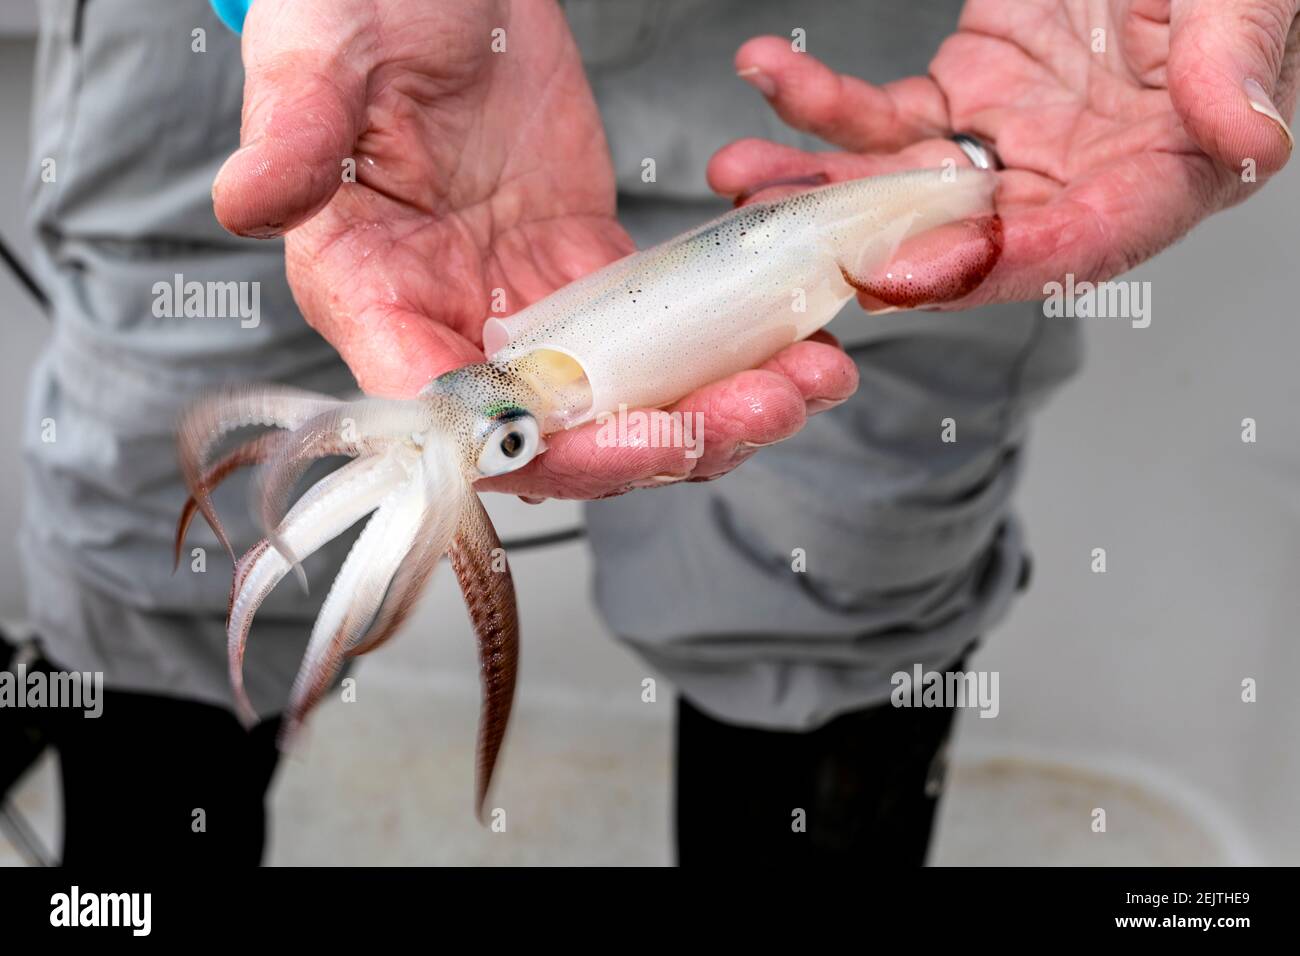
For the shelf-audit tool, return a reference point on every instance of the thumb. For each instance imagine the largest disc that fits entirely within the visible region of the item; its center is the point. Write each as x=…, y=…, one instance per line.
x=303, y=109
x=1232, y=78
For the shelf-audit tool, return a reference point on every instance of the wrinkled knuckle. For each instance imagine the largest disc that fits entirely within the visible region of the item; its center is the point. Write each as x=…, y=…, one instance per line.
x=1264, y=26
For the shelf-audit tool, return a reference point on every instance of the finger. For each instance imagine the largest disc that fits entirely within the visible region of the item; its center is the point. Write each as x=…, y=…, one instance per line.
x=303, y=111
x=740, y=415
x=942, y=264
x=588, y=463
x=705, y=434
x=1096, y=228
x=841, y=109
x=731, y=419
x=1145, y=41
x=818, y=367
x=395, y=353
x=744, y=166
x=386, y=338
x=1232, y=79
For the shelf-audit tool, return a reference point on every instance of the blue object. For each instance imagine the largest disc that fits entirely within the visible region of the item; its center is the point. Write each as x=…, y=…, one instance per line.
x=232, y=12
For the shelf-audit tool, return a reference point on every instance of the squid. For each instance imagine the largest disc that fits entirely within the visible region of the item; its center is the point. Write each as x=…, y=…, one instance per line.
x=640, y=333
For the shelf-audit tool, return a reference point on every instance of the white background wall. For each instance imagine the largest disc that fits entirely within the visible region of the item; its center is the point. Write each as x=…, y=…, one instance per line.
x=1136, y=671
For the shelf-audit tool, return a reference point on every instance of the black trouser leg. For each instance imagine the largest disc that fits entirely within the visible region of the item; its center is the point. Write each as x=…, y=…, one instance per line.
x=866, y=783
x=134, y=777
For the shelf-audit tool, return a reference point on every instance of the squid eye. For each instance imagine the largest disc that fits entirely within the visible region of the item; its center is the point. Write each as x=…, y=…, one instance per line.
x=510, y=445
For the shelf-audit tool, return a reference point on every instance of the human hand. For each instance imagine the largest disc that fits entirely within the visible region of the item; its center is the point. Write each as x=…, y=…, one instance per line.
x=475, y=171
x=1110, y=156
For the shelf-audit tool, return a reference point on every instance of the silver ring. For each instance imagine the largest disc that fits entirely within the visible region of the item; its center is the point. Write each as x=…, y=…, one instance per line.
x=980, y=153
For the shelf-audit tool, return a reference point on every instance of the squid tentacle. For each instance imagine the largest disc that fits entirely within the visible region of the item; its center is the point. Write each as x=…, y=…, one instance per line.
x=326, y=510
x=404, y=593
x=353, y=600
x=255, y=451
x=257, y=573
x=354, y=428
x=208, y=420
x=252, y=452
x=444, y=488
x=408, y=471
x=489, y=593
x=379, y=583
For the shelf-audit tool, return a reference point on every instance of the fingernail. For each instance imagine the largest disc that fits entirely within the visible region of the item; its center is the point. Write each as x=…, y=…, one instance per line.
x=658, y=481
x=530, y=500
x=1260, y=103
x=757, y=444
x=270, y=230
x=818, y=405
x=758, y=80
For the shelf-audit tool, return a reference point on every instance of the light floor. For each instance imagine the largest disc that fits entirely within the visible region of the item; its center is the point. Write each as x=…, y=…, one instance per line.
x=390, y=783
